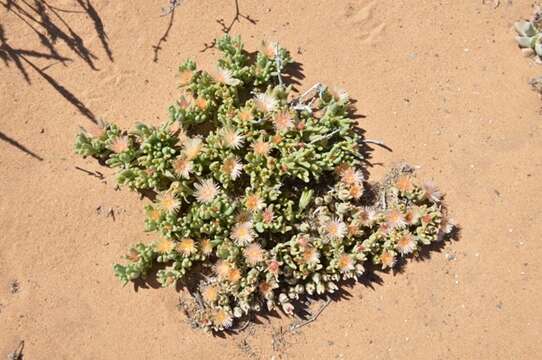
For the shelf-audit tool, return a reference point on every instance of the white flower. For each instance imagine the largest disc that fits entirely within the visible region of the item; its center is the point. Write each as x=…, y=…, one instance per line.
x=168, y=202
x=120, y=144
x=253, y=254
x=406, y=244
x=97, y=130
x=366, y=216
x=404, y=184
x=446, y=227
x=226, y=77
x=345, y=263
x=261, y=148
x=351, y=176
x=182, y=135
x=222, y=268
x=310, y=255
x=395, y=219
x=431, y=192
x=232, y=167
x=206, y=191
x=283, y=121
x=269, y=49
x=254, y=202
x=232, y=139
x=187, y=247
x=339, y=94
x=183, y=167
x=222, y=319
x=242, y=233
x=335, y=229
x=387, y=259
x=265, y=102
x=192, y=147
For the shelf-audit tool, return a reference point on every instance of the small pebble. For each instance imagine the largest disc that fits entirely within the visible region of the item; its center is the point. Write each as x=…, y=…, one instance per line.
x=14, y=286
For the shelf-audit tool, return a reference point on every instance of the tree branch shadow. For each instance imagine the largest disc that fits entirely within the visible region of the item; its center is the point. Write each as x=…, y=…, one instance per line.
x=19, y=146
x=50, y=27
x=98, y=26
x=37, y=16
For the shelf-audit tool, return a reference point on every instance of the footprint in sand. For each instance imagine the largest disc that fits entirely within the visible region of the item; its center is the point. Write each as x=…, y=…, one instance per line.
x=361, y=16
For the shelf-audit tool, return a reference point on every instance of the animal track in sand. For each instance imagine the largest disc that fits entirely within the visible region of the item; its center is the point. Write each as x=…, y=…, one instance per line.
x=361, y=17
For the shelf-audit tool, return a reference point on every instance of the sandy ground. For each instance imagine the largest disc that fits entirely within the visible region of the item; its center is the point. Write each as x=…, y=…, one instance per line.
x=441, y=82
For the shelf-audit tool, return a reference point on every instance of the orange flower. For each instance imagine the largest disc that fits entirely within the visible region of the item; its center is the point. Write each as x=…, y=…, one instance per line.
x=234, y=275
x=254, y=202
x=261, y=148
x=404, y=184
x=345, y=263
x=185, y=76
x=164, y=246
x=253, y=254
x=283, y=121
x=186, y=247
x=245, y=115
x=406, y=244
x=201, y=103
x=387, y=259
x=210, y=294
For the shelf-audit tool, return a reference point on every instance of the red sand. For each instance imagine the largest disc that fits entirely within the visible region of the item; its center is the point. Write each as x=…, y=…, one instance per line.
x=441, y=82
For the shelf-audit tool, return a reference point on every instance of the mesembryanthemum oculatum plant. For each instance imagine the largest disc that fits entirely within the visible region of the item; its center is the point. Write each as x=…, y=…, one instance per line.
x=260, y=192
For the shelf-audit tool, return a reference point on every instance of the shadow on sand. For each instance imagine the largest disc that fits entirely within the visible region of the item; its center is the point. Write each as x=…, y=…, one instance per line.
x=51, y=28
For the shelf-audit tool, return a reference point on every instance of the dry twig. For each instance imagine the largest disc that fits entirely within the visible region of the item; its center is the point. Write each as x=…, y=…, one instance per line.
x=294, y=327
x=17, y=354
x=96, y=174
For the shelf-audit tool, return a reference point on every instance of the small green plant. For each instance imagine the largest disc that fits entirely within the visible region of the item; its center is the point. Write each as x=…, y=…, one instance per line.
x=261, y=193
x=529, y=36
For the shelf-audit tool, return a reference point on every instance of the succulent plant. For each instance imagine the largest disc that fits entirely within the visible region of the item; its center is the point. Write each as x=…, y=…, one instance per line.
x=529, y=37
x=261, y=192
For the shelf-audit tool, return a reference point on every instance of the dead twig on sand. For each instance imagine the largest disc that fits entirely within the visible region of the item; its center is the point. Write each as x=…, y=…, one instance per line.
x=18, y=353
x=226, y=29
x=156, y=48
x=245, y=325
x=171, y=7
x=277, y=339
x=197, y=298
x=111, y=213
x=496, y=3
x=278, y=62
x=316, y=88
x=376, y=142
x=96, y=174
x=294, y=327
